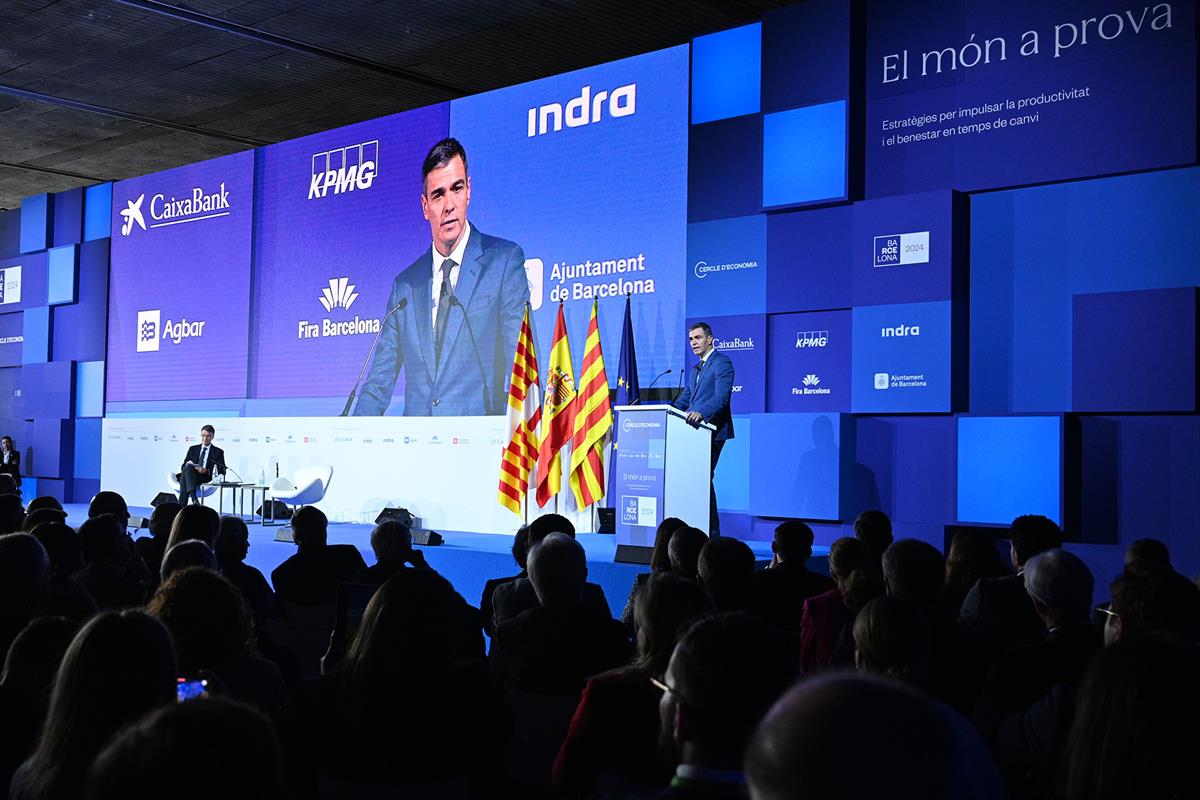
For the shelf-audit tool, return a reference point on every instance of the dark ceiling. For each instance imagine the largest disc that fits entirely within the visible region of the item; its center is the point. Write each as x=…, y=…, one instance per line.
x=95, y=90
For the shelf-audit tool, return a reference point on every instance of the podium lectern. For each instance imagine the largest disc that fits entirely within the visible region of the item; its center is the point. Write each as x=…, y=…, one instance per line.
x=662, y=468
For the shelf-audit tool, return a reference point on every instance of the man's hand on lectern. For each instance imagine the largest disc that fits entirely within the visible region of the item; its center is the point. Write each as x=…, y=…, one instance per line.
x=694, y=418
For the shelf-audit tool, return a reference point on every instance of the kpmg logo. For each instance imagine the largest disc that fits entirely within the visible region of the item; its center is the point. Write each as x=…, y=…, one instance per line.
x=151, y=331
x=10, y=285
x=703, y=269
x=344, y=169
x=900, y=330
x=194, y=207
x=900, y=249
x=338, y=294
x=147, y=330
x=585, y=109
x=811, y=339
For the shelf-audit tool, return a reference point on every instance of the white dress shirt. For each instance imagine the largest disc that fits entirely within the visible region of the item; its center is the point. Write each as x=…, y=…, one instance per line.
x=456, y=255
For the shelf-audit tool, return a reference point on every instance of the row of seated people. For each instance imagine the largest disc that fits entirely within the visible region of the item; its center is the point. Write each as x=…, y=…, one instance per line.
x=903, y=674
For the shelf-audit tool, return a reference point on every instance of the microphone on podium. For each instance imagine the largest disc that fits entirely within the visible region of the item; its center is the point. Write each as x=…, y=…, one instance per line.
x=487, y=400
x=651, y=386
x=354, y=392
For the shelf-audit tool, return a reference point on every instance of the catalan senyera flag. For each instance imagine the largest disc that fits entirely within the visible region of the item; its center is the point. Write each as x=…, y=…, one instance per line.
x=558, y=414
x=593, y=421
x=520, y=455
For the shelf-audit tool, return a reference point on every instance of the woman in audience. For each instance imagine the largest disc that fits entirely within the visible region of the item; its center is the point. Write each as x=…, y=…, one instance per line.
x=660, y=561
x=214, y=633
x=825, y=635
x=64, y=596
x=1135, y=735
x=120, y=666
x=892, y=638
x=973, y=555
x=520, y=554
x=195, y=522
x=400, y=709
x=614, y=730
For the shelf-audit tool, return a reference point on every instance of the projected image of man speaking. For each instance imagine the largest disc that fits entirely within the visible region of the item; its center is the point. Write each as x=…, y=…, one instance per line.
x=454, y=312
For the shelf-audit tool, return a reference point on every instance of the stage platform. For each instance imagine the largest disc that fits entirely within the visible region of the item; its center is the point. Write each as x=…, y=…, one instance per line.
x=468, y=560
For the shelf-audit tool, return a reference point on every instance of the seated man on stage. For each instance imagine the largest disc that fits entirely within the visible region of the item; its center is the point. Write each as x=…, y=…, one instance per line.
x=201, y=463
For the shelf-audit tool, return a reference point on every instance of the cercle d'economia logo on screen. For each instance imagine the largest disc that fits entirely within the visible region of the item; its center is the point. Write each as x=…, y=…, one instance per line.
x=163, y=210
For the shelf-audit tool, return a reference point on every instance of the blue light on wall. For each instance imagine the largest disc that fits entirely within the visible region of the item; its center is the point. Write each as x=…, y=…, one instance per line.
x=804, y=155
x=35, y=223
x=97, y=211
x=726, y=74
x=61, y=263
x=1008, y=466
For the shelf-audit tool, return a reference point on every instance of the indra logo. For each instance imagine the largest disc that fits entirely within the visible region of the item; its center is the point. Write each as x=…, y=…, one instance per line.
x=900, y=330
x=344, y=169
x=150, y=331
x=10, y=285
x=338, y=294
x=147, y=330
x=133, y=215
x=194, y=207
x=899, y=249
x=585, y=109
x=811, y=339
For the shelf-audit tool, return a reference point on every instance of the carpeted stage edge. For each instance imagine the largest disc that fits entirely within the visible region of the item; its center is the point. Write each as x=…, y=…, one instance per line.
x=468, y=560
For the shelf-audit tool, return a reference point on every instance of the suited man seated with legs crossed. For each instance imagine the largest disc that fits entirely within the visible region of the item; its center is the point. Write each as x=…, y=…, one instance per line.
x=199, y=465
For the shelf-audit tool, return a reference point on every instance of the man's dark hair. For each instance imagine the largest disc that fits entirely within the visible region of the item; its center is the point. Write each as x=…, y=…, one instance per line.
x=915, y=571
x=233, y=538
x=1032, y=534
x=109, y=503
x=45, y=501
x=874, y=529
x=704, y=326
x=684, y=550
x=189, y=553
x=209, y=429
x=162, y=518
x=100, y=538
x=310, y=526
x=1148, y=550
x=8, y=484
x=793, y=540
x=728, y=670
x=12, y=513
x=40, y=517
x=1150, y=597
x=62, y=547
x=440, y=155
x=726, y=572
x=520, y=546
x=547, y=524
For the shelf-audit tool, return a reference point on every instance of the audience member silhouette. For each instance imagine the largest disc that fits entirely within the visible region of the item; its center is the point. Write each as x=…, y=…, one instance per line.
x=554, y=647
x=119, y=666
x=1141, y=550
x=107, y=574
x=12, y=513
x=726, y=573
x=726, y=671
x=24, y=573
x=28, y=676
x=44, y=501
x=399, y=709
x=188, y=553
x=9, y=485
x=152, y=548
x=109, y=503
x=973, y=555
x=874, y=529
x=391, y=542
x=892, y=637
x=64, y=596
x=660, y=561
x=861, y=736
x=781, y=589
x=1000, y=608
x=214, y=633
x=1149, y=597
x=311, y=576
x=194, y=522
x=217, y=748
x=1135, y=735
x=684, y=551
x=233, y=545
x=487, y=611
x=826, y=618
x=510, y=599
x=614, y=731
x=40, y=517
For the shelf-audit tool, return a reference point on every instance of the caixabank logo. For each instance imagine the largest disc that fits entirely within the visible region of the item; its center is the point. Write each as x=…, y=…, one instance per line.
x=900, y=249
x=197, y=204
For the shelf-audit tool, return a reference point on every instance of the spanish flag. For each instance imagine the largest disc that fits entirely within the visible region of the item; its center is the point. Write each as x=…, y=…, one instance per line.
x=593, y=421
x=524, y=415
x=558, y=414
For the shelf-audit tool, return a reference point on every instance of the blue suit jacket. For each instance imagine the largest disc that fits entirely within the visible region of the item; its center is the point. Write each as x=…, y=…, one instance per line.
x=710, y=394
x=493, y=288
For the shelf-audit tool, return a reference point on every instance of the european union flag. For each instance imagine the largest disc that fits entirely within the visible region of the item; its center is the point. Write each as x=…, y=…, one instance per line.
x=627, y=376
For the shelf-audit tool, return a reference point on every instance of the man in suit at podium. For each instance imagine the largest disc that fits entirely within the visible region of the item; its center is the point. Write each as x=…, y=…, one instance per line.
x=705, y=398
x=201, y=462
x=465, y=274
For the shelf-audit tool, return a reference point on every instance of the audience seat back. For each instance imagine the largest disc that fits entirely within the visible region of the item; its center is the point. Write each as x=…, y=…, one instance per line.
x=539, y=727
